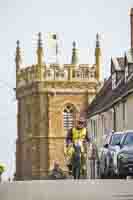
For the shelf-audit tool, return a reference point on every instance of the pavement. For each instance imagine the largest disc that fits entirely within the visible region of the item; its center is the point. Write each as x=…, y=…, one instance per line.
x=67, y=189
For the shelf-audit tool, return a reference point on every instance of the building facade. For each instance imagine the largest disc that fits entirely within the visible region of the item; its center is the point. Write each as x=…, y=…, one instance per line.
x=112, y=108
x=49, y=98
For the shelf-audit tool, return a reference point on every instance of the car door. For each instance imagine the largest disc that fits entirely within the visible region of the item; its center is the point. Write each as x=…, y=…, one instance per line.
x=104, y=152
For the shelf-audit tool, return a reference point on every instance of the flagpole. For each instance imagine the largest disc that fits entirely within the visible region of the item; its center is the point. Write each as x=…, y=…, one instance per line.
x=56, y=50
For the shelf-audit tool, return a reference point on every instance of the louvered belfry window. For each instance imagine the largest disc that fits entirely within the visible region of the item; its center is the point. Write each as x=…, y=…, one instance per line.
x=68, y=117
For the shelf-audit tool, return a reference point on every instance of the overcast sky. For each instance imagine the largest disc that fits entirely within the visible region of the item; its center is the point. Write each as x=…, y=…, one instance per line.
x=73, y=20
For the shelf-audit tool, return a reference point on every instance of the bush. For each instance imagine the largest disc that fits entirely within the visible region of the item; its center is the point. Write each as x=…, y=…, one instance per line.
x=2, y=168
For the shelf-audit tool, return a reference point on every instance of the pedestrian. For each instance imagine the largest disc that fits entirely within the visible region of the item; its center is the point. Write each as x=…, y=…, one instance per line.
x=56, y=172
x=92, y=160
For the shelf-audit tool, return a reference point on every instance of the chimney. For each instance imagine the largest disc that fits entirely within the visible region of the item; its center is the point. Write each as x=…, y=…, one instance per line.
x=131, y=24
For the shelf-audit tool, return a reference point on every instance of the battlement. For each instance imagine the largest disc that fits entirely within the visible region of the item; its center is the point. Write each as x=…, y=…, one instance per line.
x=55, y=72
x=41, y=72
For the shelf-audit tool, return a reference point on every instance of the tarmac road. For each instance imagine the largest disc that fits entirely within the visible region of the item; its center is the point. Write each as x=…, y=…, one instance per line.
x=67, y=189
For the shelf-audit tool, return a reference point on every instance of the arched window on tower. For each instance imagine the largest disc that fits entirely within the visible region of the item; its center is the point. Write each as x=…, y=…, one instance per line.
x=69, y=116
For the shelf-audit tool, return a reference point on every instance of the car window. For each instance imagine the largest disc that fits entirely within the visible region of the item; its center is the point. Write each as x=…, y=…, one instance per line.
x=115, y=139
x=128, y=139
x=107, y=139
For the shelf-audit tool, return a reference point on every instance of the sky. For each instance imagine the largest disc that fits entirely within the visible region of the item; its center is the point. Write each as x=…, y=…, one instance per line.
x=72, y=20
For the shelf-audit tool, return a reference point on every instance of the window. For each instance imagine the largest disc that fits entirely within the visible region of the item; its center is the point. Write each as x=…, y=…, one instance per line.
x=129, y=139
x=130, y=68
x=115, y=139
x=124, y=111
x=103, y=124
x=68, y=115
x=94, y=128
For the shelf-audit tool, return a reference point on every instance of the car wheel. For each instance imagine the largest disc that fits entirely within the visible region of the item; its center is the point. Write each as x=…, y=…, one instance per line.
x=101, y=175
x=103, y=171
x=106, y=172
x=119, y=172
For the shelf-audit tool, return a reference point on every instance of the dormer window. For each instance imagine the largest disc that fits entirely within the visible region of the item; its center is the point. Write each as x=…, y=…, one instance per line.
x=114, y=80
x=130, y=68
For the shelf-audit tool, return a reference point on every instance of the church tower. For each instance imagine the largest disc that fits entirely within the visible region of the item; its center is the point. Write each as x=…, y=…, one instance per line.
x=49, y=97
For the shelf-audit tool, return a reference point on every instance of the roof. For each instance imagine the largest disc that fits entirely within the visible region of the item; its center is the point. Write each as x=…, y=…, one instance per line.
x=107, y=97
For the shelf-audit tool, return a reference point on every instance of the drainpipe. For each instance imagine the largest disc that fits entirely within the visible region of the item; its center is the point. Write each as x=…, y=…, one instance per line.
x=114, y=118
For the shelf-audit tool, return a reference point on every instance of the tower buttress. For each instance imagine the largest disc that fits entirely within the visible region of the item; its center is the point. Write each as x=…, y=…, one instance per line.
x=98, y=58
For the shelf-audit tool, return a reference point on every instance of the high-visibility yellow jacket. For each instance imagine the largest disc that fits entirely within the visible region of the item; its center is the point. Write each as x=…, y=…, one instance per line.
x=78, y=134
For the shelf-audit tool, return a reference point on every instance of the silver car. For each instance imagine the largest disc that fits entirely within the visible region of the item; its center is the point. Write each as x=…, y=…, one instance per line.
x=123, y=156
x=105, y=159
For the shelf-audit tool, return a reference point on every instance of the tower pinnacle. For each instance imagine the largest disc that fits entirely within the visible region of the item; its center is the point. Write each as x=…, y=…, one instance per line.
x=75, y=54
x=39, y=50
x=98, y=57
x=74, y=44
x=97, y=40
x=18, y=56
x=39, y=40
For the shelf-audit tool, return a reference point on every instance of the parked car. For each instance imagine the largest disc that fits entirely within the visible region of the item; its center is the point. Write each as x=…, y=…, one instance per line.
x=123, y=157
x=105, y=157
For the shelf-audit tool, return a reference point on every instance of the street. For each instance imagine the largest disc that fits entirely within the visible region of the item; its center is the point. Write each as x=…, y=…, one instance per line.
x=68, y=189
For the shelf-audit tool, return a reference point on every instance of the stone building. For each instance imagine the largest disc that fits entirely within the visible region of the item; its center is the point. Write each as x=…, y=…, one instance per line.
x=112, y=108
x=49, y=97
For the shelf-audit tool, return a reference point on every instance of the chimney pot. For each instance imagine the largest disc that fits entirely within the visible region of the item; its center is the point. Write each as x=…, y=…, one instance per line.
x=131, y=11
x=131, y=29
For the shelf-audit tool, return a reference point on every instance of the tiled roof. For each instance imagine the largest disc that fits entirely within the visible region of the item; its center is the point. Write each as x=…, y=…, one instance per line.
x=107, y=97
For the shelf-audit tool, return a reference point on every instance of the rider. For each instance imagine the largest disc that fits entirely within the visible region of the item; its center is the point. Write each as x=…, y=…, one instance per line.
x=78, y=134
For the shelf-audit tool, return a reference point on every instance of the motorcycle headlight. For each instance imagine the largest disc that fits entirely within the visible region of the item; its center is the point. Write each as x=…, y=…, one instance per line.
x=123, y=156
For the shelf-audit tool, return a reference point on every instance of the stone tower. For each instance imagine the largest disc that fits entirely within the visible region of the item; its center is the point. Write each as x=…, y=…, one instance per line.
x=49, y=96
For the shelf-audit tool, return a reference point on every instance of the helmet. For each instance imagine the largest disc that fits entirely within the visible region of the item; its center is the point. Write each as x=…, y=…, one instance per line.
x=81, y=119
